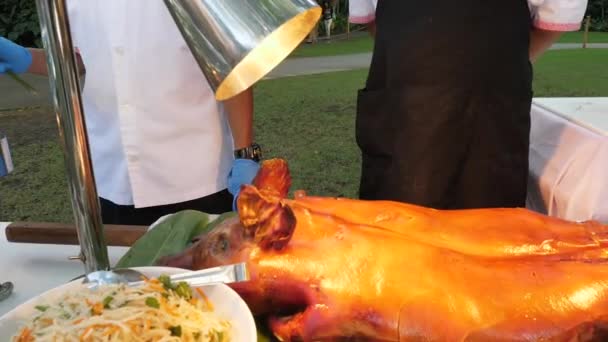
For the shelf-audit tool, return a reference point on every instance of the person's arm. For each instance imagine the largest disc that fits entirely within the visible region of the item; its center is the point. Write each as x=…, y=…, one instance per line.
x=38, y=65
x=541, y=41
x=239, y=111
x=371, y=28
x=18, y=59
x=550, y=19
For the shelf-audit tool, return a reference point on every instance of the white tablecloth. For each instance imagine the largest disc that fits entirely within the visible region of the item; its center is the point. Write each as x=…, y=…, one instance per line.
x=569, y=158
x=34, y=269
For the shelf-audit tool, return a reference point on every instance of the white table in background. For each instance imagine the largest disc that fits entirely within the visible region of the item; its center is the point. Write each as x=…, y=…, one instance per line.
x=569, y=158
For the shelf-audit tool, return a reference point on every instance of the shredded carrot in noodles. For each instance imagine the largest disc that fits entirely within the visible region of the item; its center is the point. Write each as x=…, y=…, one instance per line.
x=151, y=312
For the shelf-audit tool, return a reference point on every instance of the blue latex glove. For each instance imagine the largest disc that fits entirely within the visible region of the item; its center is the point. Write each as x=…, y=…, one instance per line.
x=243, y=172
x=14, y=57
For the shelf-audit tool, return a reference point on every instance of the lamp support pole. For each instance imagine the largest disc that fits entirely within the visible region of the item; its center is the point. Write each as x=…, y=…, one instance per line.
x=65, y=91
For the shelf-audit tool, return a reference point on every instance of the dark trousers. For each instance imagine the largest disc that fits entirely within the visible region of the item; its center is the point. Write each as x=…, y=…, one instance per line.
x=218, y=203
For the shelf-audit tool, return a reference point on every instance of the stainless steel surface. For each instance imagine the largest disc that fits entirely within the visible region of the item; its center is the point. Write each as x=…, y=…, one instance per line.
x=237, y=42
x=224, y=274
x=76, y=257
x=63, y=76
x=116, y=276
x=6, y=290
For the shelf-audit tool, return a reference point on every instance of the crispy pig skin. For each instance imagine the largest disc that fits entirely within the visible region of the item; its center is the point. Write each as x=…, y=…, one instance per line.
x=334, y=269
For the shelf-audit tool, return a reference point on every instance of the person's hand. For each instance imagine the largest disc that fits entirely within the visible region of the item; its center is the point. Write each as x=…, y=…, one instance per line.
x=13, y=57
x=243, y=172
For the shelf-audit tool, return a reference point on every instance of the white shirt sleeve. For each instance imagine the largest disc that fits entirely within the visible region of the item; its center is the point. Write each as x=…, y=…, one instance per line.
x=362, y=11
x=558, y=15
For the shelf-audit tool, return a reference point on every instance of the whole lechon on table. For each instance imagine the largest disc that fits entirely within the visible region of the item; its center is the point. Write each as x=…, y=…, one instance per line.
x=329, y=268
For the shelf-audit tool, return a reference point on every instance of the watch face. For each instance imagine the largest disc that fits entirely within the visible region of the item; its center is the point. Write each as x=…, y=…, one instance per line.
x=256, y=152
x=253, y=152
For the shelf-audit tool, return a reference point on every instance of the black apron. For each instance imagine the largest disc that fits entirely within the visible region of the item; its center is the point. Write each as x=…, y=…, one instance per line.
x=444, y=119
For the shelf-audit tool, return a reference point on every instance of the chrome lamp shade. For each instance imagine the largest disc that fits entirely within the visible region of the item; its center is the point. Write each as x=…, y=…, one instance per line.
x=237, y=42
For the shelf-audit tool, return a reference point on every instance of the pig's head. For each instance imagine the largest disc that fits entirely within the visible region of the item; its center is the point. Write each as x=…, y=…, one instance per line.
x=225, y=244
x=264, y=224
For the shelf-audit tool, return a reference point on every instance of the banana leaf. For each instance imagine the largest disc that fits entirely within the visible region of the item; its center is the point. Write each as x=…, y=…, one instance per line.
x=172, y=236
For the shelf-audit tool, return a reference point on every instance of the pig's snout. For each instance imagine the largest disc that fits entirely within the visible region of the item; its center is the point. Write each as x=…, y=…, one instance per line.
x=183, y=260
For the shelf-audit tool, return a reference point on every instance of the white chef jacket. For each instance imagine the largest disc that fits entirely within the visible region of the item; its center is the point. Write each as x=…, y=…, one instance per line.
x=551, y=15
x=156, y=133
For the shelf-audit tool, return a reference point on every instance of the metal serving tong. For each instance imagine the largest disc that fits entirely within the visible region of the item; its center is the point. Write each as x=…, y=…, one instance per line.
x=223, y=274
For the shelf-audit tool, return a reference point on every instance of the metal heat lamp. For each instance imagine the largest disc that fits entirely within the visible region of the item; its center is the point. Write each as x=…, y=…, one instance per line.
x=235, y=42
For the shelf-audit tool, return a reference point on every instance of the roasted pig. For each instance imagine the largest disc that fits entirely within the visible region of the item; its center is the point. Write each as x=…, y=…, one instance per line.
x=331, y=269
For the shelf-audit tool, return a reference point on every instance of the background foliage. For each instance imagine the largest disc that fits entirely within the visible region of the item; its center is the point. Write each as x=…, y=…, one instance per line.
x=598, y=10
x=19, y=20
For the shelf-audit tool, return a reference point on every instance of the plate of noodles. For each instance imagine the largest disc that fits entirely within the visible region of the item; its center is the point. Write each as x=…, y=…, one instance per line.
x=159, y=310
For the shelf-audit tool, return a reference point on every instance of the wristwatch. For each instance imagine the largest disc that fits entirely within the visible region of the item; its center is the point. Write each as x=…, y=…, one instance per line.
x=253, y=152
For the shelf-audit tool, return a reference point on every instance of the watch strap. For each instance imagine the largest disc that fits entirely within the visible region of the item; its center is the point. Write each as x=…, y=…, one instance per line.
x=253, y=152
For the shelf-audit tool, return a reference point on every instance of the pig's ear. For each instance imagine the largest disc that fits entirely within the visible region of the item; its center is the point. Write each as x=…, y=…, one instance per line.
x=273, y=178
x=267, y=221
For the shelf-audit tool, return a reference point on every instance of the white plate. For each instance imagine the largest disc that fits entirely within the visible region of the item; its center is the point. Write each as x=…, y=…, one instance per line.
x=227, y=303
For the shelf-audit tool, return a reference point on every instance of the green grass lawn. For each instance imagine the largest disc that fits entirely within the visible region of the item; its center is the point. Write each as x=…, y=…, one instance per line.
x=37, y=190
x=577, y=37
x=361, y=42
x=572, y=73
x=308, y=120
